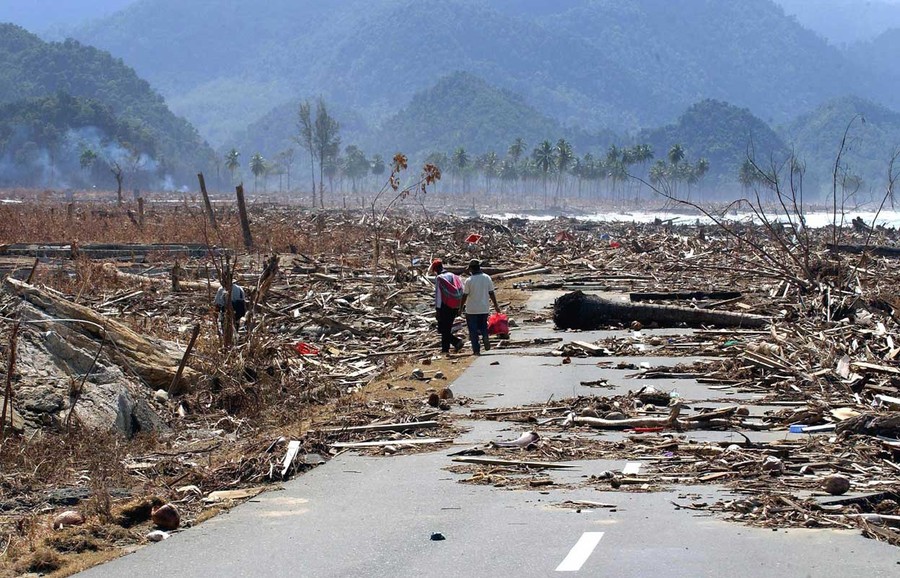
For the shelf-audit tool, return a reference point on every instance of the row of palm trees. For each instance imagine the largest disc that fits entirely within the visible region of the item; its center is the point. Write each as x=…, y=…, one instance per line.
x=553, y=169
x=557, y=168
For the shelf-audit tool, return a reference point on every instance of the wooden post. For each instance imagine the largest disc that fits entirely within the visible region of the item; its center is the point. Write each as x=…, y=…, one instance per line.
x=245, y=220
x=70, y=212
x=33, y=269
x=10, y=367
x=174, y=389
x=176, y=277
x=206, y=202
x=141, y=212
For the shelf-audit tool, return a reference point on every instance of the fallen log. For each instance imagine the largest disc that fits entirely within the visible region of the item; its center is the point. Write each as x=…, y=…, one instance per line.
x=111, y=269
x=578, y=310
x=684, y=296
x=875, y=250
x=154, y=361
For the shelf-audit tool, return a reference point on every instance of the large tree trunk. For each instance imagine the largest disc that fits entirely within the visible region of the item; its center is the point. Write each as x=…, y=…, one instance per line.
x=154, y=361
x=577, y=310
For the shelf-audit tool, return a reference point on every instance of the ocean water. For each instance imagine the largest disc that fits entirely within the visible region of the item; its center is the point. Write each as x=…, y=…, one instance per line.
x=814, y=219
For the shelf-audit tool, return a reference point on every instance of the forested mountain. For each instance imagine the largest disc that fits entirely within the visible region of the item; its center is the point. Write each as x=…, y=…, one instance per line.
x=41, y=15
x=462, y=110
x=721, y=133
x=137, y=116
x=873, y=136
x=64, y=141
x=618, y=64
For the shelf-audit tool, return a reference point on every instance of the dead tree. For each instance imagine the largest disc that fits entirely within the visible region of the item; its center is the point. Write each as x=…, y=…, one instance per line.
x=577, y=310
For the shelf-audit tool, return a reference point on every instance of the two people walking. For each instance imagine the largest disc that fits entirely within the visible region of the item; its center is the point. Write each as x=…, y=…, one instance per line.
x=474, y=297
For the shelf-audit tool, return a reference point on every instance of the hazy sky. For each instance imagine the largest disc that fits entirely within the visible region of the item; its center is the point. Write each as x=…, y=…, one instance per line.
x=38, y=15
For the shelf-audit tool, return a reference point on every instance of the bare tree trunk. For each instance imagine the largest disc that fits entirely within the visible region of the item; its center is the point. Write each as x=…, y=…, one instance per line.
x=245, y=220
x=206, y=202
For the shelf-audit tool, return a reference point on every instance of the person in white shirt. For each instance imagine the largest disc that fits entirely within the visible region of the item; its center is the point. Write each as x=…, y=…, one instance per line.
x=478, y=294
x=238, y=304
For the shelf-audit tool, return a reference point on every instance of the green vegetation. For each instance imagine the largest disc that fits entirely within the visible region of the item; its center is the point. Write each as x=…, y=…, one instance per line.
x=76, y=82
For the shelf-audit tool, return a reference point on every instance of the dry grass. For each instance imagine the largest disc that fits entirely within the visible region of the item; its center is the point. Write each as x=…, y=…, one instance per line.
x=104, y=223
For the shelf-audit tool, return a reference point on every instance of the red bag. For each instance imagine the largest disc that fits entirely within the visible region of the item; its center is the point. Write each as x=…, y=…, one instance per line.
x=498, y=324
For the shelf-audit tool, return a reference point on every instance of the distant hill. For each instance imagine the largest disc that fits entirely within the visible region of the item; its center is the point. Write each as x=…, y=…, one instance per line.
x=42, y=15
x=462, y=110
x=31, y=69
x=878, y=57
x=596, y=64
x=845, y=22
x=873, y=136
x=721, y=133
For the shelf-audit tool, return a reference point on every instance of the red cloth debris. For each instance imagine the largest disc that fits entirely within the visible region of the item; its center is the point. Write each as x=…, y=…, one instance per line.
x=306, y=349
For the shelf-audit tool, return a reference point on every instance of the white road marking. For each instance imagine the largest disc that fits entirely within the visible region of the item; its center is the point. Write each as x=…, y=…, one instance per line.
x=631, y=468
x=580, y=552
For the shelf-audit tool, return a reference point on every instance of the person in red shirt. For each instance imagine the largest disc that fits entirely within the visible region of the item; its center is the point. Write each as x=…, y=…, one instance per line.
x=448, y=290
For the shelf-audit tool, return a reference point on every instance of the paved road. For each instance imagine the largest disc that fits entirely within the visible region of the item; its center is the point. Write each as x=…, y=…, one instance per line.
x=364, y=516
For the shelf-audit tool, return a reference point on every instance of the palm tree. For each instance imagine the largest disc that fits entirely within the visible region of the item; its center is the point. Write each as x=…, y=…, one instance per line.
x=232, y=162
x=490, y=166
x=517, y=149
x=257, y=167
x=676, y=154
x=507, y=172
x=459, y=164
x=544, y=157
x=700, y=170
x=564, y=157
